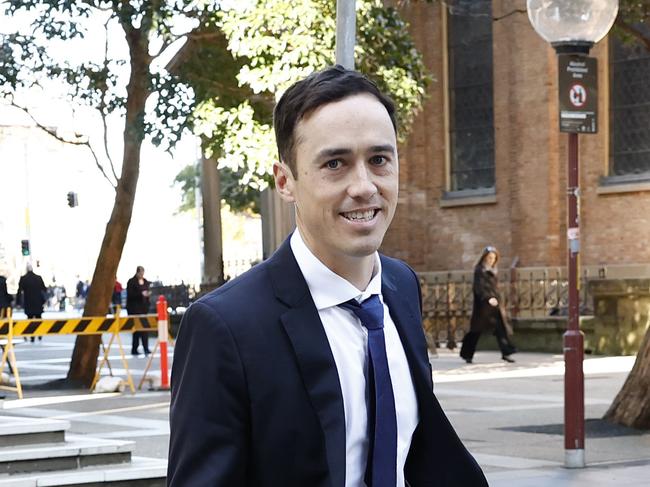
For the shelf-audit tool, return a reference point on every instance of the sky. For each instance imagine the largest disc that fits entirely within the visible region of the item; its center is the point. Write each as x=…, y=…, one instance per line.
x=37, y=172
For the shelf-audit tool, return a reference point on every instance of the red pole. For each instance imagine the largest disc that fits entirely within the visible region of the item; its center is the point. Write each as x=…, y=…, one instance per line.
x=574, y=397
x=161, y=306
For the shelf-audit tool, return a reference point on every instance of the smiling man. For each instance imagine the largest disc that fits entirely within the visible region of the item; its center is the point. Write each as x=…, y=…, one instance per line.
x=311, y=369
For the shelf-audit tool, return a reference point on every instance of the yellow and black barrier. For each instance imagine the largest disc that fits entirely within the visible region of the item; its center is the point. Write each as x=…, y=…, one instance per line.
x=91, y=325
x=79, y=326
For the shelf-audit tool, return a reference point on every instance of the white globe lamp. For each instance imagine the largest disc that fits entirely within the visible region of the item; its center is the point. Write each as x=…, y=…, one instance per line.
x=572, y=25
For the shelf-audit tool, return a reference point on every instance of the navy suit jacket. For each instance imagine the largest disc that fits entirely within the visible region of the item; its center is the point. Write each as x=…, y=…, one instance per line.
x=256, y=399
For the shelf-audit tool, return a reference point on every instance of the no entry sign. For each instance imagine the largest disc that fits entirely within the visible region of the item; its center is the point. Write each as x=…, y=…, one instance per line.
x=578, y=85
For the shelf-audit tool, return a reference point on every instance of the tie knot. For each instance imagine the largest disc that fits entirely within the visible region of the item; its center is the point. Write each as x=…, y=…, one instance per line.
x=370, y=311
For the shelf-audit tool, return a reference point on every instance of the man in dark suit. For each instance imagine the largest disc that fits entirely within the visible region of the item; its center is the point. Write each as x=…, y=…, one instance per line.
x=311, y=369
x=32, y=293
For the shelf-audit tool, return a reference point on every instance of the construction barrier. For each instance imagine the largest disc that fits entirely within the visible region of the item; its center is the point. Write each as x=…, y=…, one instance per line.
x=95, y=325
x=161, y=308
x=9, y=357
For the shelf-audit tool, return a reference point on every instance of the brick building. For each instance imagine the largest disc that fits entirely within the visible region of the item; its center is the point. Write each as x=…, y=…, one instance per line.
x=486, y=163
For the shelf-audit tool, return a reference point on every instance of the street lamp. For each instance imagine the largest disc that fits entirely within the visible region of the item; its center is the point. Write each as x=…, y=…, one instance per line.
x=572, y=27
x=345, y=32
x=573, y=22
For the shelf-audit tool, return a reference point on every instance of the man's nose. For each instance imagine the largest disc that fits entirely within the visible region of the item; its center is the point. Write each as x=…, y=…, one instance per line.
x=362, y=184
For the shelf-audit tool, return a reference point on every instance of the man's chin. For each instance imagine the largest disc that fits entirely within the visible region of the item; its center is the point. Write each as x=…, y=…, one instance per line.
x=364, y=249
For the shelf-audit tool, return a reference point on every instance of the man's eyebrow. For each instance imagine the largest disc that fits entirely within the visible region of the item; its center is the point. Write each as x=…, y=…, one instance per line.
x=382, y=148
x=333, y=152
x=342, y=151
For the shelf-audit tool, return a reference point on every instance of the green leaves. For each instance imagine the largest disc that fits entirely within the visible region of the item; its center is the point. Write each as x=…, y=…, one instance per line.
x=258, y=49
x=234, y=65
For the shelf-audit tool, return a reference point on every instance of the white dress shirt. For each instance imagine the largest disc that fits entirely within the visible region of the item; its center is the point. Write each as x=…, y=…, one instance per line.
x=348, y=339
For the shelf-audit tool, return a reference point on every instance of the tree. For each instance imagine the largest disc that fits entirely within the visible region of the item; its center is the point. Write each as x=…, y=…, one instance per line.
x=247, y=57
x=148, y=29
x=263, y=49
x=632, y=21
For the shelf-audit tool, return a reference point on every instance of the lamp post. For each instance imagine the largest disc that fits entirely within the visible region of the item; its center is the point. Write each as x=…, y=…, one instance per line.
x=345, y=32
x=572, y=28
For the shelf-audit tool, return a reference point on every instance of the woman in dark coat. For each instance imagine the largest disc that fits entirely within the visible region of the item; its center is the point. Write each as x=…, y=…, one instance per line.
x=487, y=312
x=5, y=297
x=137, y=303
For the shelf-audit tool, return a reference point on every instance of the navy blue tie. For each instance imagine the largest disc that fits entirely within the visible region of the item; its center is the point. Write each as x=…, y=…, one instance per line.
x=382, y=419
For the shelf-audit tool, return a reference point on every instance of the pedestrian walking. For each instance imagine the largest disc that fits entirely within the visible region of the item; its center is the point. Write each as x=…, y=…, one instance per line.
x=6, y=301
x=116, y=298
x=488, y=312
x=137, y=303
x=32, y=293
x=5, y=298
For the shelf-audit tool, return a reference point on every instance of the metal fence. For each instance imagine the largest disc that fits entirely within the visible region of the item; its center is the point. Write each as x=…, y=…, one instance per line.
x=525, y=293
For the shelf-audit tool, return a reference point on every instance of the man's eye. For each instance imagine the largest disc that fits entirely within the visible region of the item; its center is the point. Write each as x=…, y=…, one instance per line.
x=333, y=164
x=378, y=160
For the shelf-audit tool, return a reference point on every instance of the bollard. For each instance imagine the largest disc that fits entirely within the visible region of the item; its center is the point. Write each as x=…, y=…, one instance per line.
x=161, y=306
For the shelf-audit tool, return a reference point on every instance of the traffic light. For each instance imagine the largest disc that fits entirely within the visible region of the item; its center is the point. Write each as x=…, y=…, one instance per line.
x=24, y=246
x=72, y=199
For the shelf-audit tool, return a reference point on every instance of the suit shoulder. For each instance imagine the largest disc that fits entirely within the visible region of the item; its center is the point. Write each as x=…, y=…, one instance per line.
x=398, y=268
x=246, y=287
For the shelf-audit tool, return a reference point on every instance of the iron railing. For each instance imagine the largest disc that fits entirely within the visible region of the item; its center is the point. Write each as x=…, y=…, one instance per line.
x=526, y=293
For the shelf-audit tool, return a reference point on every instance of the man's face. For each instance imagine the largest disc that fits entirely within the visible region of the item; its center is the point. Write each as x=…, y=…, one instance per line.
x=346, y=183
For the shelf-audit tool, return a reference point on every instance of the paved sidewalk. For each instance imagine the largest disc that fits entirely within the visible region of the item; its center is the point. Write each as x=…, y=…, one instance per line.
x=511, y=417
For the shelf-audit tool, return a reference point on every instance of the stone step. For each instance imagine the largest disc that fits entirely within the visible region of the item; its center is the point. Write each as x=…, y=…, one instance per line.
x=16, y=431
x=77, y=452
x=140, y=472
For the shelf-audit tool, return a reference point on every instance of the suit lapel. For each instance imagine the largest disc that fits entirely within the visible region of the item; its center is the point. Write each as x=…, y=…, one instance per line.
x=422, y=460
x=409, y=326
x=313, y=354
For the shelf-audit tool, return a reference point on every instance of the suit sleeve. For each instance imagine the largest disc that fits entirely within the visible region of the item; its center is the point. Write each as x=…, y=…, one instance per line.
x=209, y=413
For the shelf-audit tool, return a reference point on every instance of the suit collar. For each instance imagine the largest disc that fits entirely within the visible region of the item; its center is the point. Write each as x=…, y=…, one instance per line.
x=327, y=288
x=406, y=315
x=313, y=355
x=289, y=285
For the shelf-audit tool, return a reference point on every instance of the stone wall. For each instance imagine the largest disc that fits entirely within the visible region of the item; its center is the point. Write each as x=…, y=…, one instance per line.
x=622, y=315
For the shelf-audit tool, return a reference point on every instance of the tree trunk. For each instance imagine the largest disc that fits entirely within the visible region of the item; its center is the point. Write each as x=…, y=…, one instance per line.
x=86, y=349
x=631, y=407
x=212, y=241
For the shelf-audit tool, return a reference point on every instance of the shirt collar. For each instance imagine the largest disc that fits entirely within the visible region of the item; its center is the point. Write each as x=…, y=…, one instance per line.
x=326, y=287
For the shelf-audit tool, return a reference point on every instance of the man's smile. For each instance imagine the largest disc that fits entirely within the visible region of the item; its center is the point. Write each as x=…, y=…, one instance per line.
x=361, y=215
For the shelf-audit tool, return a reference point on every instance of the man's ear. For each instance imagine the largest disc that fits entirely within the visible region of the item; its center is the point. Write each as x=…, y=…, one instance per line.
x=284, y=182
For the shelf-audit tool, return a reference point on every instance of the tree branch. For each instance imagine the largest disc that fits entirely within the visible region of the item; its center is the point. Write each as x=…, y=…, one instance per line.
x=52, y=133
x=449, y=6
x=504, y=16
x=633, y=31
x=166, y=43
x=102, y=105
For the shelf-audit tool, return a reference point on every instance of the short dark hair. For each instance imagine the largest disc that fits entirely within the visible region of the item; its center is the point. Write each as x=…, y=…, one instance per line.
x=317, y=89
